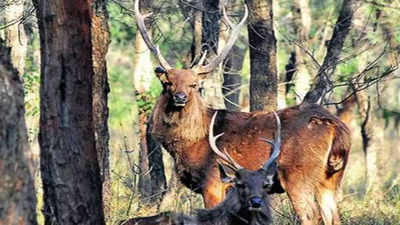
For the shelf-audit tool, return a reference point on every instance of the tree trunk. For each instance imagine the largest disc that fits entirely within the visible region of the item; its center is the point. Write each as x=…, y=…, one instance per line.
x=210, y=37
x=340, y=32
x=156, y=165
x=263, y=79
x=144, y=183
x=17, y=194
x=372, y=136
x=302, y=24
x=152, y=182
x=232, y=66
x=100, y=42
x=69, y=167
x=15, y=34
x=142, y=66
x=232, y=78
x=210, y=23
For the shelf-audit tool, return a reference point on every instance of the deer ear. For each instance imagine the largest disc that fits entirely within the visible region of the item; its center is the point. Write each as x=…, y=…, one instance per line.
x=162, y=74
x=226, y=173
x=272, y=168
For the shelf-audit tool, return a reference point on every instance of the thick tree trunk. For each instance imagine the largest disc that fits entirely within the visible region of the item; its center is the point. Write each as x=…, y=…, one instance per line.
x=342, y=28
x=263, y=72
x=15, y=33
x=100, y=42
x=70, y=172
x=17, y=194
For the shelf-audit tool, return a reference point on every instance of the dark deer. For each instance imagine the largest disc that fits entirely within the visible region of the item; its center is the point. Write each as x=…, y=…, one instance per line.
x=247, y=202
x=315, y=143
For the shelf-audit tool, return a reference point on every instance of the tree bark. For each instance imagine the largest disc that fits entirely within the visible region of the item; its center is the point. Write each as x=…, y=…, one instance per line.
x=158, y=180
x=263, y=72
x=232, y=79
x=69, y=166
x=340, y=32
x=101, y=88
x=210, y=37
x=210, y=23
x=144, y=183
x=17, y=193
x=372, y=136
x=142, y=66
x=302, y=25
x=232, y=67
x=15, y=34
x=152, y=181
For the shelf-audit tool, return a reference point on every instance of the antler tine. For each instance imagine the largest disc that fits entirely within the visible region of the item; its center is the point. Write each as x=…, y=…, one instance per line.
x=223, y=155
x=142, y=29
x=276, y=143
x=203, y=57
x=199, y=69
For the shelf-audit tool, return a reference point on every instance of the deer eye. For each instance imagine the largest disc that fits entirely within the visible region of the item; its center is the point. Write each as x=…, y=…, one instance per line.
x=240, y=184
x=194, y=85
x=168, y=83
x=266, y=185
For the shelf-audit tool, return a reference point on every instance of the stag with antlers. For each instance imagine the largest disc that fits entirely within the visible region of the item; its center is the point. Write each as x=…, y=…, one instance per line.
x=315, y=143
x=247, y=202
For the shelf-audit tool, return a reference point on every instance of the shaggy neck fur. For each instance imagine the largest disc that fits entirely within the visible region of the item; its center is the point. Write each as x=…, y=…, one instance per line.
x=189, y=123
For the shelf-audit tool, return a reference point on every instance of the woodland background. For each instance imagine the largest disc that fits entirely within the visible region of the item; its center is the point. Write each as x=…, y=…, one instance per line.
x=123, y=79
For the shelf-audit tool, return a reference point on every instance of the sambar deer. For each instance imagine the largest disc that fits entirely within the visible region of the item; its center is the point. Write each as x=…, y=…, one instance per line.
x=246, y=202
x=315, y=143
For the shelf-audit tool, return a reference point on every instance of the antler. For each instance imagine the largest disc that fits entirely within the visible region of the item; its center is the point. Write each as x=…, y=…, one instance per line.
x=276, y=143
x=199, y=69
x=142, y=28
x=223, y=155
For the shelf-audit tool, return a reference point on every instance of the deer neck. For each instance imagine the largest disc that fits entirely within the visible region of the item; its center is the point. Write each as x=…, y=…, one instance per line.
x=187, y=123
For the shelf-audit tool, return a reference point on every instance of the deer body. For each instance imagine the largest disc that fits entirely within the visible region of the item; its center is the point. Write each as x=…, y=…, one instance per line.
x=305, y=132
x=228, y=212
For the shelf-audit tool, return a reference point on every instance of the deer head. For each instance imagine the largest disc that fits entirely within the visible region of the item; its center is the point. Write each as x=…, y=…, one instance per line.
x=181, y=84
x=251, y=186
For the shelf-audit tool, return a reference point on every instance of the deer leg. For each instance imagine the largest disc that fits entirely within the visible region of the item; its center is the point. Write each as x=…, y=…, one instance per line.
x=328, y=207
x=304, y=204
x=213, y=193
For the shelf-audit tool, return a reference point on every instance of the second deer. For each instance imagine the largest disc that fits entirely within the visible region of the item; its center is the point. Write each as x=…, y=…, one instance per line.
x=246, y=203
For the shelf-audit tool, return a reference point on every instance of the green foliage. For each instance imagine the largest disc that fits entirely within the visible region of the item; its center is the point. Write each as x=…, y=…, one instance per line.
x=347, y=69
x=31, y=78
x=121, y=99
x=146, y=101
x=122, y=24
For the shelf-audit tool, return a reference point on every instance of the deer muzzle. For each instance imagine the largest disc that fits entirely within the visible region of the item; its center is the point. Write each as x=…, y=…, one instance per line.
x=255, y=202
x=180, y=99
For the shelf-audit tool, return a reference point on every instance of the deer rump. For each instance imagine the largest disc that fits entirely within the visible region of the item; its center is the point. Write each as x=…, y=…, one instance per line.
x=313, y=140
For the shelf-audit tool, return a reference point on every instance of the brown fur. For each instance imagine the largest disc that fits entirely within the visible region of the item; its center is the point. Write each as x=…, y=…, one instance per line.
x=314, y=152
